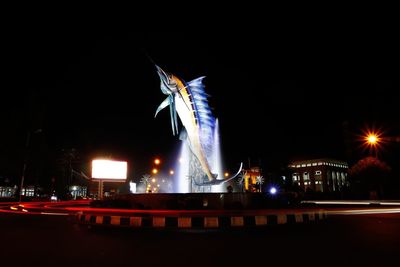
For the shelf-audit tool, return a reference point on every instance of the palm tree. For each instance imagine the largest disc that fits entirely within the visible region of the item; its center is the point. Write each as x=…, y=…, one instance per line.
x=260, y=181
x=145, y=180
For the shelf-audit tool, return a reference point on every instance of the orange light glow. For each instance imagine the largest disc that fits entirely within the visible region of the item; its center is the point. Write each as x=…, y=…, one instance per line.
x=226, y=174
x=171, y=172
x=157, y=161
x=154, y=171
x=372, y=139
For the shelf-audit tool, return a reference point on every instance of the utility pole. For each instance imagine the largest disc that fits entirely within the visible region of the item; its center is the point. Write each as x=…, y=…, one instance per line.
x=28, y=139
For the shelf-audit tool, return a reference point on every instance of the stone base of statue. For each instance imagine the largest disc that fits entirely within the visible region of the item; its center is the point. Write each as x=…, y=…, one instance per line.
x=197, y=176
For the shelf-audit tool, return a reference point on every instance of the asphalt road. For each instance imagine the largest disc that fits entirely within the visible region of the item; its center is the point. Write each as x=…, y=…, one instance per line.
x=348, y=240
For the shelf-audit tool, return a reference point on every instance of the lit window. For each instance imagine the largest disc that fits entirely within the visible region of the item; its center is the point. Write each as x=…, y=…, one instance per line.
x=314, y=164
x=308, y=164
x=298, y=166
x=303, y=165
x=317, y=172
x=319, y=163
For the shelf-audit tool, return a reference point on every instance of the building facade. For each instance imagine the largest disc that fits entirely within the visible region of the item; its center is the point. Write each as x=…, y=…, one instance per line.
x=251, y=179
x=320, y=175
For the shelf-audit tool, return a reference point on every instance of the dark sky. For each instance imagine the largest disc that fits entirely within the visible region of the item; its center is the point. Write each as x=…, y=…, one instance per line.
x=280, y=94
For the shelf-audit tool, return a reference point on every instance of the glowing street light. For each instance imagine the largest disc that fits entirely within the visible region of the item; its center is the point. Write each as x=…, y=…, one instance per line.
x=157, y=161
x=154, y=171
x=226, y=174
x=171, y=172
x=273, y=190
x=372, y=139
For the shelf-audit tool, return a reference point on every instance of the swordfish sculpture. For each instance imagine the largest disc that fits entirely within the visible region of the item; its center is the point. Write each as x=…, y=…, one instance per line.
x=189, y=102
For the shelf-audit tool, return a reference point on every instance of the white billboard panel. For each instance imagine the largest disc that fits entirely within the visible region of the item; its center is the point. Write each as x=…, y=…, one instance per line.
x=109, y=169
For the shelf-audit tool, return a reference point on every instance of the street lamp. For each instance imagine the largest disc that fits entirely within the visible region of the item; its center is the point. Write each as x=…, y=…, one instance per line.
x=373, y=141
x=28, y=140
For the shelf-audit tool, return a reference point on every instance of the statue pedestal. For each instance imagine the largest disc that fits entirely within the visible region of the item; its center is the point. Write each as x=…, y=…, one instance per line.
x=197, y=176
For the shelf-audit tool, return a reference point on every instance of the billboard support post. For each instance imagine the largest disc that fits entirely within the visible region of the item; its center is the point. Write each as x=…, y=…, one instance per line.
x=108, y=171
x=100, y=189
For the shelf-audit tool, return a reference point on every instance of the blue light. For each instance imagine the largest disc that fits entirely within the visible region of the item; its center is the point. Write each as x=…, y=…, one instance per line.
x=273, y=190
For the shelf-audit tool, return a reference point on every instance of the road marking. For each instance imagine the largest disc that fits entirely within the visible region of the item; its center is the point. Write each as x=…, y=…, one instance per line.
x=135, y=221
x=261, y=220
x=185, y=222
x=281, y=219
x=52, y=213
x=158, y=221
x=237, y=221
x=99, y=219
x=115, y=220
x=211, y=222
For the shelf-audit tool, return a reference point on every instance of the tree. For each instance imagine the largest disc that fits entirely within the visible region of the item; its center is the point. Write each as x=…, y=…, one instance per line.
x=65, y=161
x=369, y=174
x=145, y=180
x=260, y=181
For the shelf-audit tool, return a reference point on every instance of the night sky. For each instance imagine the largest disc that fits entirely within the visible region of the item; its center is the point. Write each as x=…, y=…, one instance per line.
x=280, y=95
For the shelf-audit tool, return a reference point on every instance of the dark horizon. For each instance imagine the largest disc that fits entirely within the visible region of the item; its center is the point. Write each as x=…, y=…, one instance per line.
x=278, y=99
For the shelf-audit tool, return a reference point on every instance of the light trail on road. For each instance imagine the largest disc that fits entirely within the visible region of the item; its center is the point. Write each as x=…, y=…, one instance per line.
x=64, y=208
x=363, y=211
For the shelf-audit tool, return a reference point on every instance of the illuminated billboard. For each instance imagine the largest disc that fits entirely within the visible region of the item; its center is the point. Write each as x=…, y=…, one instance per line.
x=109, y=169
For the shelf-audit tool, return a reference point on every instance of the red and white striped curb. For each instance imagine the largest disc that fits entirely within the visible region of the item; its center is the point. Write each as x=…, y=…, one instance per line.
x=206, y=222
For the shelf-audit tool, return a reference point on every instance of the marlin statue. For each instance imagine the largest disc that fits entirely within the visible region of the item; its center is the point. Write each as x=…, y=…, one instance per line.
x=189, y=102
